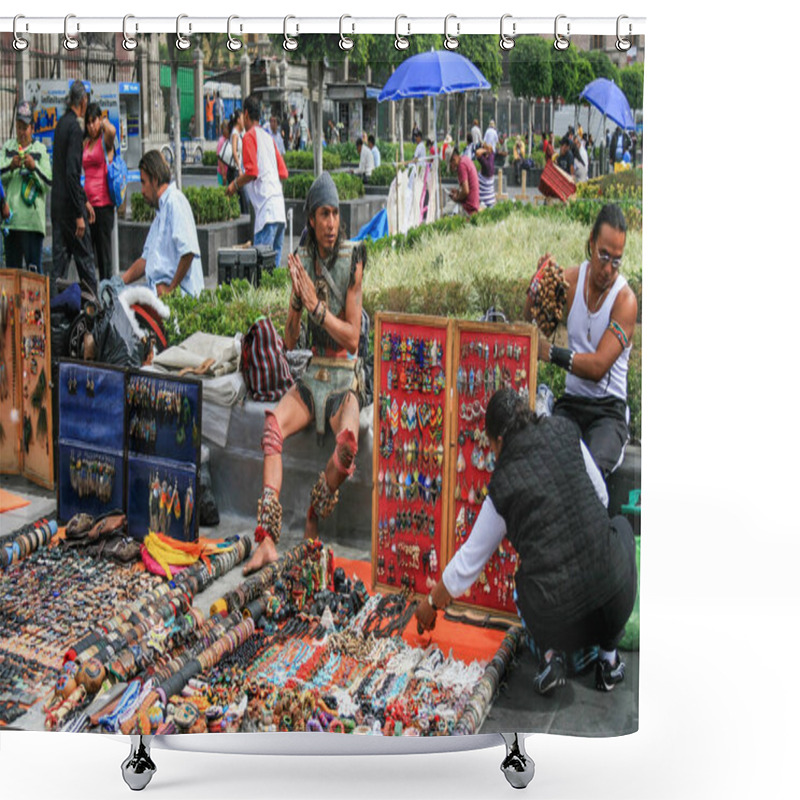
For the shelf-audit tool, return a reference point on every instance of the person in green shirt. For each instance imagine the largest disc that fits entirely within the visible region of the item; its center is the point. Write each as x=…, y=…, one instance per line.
x=27, y=175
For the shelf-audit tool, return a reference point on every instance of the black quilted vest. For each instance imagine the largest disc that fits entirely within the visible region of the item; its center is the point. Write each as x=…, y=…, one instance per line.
x=570, y=560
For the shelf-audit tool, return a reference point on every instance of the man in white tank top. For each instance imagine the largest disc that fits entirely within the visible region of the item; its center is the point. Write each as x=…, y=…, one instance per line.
x=601, y=318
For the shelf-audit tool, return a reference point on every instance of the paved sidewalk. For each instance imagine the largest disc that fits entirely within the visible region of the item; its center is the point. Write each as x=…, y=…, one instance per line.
x=577, y=709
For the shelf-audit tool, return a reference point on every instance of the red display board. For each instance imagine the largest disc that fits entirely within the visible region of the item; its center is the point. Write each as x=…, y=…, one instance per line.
x=410, y=450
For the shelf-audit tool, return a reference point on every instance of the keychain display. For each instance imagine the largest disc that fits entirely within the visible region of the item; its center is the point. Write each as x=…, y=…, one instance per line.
x=489, y=356
x=410, y=451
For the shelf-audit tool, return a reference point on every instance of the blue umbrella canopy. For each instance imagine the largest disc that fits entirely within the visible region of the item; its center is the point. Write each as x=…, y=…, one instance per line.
x=608, y=98
x=432, y=73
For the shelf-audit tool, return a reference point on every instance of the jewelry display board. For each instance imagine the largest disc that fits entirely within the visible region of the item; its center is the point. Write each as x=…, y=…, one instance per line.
x=429, y=482
x=129, y=440
x=26, y=413
x=411, y=450
x=91, y=438
x=163, y=433
x=487, y=357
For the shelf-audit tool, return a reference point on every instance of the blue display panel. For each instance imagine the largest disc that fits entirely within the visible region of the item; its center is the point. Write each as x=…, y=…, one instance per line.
x=161, y=497
x=90, y=480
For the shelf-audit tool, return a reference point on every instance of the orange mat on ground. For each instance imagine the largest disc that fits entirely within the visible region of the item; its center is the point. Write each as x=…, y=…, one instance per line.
x=10, y=501
x=467, y=642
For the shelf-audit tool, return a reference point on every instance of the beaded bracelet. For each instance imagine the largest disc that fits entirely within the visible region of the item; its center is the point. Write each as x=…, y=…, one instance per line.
x=319, y=313
x=295, y=302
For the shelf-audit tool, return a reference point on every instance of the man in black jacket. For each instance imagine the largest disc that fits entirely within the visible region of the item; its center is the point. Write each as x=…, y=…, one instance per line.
x=71, y=237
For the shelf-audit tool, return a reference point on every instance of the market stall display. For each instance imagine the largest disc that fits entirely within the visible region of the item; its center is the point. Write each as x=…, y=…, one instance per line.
x=432, y=465
x=26, y=412
x=141, y=452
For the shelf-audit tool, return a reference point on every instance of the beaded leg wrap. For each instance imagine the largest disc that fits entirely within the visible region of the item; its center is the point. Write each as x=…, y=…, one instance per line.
x=323, y=500
x=270, y=516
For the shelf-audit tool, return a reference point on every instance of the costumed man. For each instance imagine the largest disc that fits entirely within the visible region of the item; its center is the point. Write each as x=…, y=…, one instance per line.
x=601, y=318
x=326, y=283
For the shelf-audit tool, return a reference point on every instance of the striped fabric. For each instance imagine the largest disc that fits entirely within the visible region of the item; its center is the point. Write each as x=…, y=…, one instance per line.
x=264, y=366
x=486, y=191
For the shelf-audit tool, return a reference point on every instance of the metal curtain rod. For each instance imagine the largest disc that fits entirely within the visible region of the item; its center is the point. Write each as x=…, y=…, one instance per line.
x=450, y=26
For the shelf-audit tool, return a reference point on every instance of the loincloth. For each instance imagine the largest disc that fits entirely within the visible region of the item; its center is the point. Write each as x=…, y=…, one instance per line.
x=324, y=386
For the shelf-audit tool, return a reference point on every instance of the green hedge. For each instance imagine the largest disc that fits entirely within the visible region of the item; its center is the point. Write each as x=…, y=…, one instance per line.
x=537, y=156
x=208, y=203
x=304, y=159
x=296, y=187
x=382, y=175
x=345, y=150
x=209, y=158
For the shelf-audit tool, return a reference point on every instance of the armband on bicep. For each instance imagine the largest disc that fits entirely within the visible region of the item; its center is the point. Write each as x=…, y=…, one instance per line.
x=619, y=332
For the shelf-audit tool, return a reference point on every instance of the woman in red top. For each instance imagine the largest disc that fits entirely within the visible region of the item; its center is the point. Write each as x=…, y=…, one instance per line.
x=98, y=150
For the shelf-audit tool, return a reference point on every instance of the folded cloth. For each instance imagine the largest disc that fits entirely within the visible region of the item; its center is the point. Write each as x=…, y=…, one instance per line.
x=193, y=353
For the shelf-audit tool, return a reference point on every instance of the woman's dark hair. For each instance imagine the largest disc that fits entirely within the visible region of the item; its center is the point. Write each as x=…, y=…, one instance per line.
x=610, y=214
x=506, y=414
x=237, y=112
x=153, y=163
x=93, y=111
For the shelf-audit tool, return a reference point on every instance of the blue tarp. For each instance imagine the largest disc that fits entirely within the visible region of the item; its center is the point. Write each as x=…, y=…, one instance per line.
x=376, y=228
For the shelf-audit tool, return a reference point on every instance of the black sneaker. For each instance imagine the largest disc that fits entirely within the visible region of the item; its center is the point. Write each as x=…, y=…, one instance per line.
x=553, y=674
x=606, y=676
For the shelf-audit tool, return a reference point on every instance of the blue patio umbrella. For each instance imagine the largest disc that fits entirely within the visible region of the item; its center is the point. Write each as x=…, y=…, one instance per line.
x=432, y=73
x=609, y=99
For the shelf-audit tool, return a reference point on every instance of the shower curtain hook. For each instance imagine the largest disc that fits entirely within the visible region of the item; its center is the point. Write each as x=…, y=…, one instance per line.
x=70, y=42
x=400, y=42
x=562, y=41
x=181, y=42
x=345, y=42
x=289, y=43
x=451, y=42
x=233, y=44
x=19, y=42
x=623, y=43
x=506, y=41
x=128, y=42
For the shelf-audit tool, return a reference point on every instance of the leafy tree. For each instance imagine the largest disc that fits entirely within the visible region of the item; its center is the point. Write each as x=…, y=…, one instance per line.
x=632, y=84
x=530, y=73
x=602, y=65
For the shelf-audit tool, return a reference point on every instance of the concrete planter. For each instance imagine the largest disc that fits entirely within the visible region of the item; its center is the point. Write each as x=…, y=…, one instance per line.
x=376, y=191
x=132, y=236
x=353, y=213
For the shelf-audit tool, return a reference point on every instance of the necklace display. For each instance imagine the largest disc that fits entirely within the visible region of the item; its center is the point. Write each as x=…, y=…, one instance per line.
x=411, y=421
x=487, y=362
x=159, y=407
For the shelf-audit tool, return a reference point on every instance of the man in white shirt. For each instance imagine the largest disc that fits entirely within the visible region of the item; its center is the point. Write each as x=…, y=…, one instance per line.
x=366, y=163
x=260, y=181
x=171, y=254
x=275, y=133
x=477, y=137
x=376, y=154
x=490, y=137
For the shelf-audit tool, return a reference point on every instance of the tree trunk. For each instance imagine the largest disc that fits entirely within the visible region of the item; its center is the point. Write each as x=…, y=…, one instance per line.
x=175, y=114
x=531, y=112
x=318, y=120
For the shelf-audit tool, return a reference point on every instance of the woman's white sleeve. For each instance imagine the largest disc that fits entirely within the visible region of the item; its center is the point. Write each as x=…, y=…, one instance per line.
x=467, y=563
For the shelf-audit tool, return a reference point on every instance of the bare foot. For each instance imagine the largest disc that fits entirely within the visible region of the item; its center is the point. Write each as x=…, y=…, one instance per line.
x=265, y=554
x=312, y=526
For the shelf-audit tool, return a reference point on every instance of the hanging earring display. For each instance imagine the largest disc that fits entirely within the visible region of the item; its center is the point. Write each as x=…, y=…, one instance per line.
x=409, y=462
x=490, y=356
